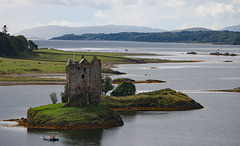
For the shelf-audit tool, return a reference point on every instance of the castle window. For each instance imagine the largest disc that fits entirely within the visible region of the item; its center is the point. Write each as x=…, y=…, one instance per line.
x=84, y=69
x=82, y=75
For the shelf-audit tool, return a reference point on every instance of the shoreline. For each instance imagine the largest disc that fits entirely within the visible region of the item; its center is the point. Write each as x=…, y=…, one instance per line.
x=49, y=81
x=120, y=109
x=13, y=83
x=226, y=90
x=105, y=116
x=36, y=72
x=23, y=123
x=140, y=82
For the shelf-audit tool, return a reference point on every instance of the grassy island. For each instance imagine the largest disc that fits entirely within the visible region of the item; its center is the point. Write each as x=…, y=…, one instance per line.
x=164, y=100
x=55, y=116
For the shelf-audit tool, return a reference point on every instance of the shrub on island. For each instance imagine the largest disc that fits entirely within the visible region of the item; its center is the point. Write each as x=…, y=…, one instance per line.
x=124, y=89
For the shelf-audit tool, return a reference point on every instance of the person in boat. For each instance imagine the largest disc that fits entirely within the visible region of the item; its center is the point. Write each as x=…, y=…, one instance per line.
x=52, y=137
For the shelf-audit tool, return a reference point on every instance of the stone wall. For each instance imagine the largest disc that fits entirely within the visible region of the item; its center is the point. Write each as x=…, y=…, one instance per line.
x=84, y=82
x=95, y=82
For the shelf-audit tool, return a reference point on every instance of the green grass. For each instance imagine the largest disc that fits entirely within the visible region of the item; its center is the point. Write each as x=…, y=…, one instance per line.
x=51, y=61
x=57, y=115
x=20, y=66
x=54, y=114
x=110, y=71
x=122, y=80
x=54, y=61
x=63, y=56
x=23, y=78
x=160, y=98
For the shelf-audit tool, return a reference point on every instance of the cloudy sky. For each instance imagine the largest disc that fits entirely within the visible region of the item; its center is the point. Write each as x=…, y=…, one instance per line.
x=163, y=14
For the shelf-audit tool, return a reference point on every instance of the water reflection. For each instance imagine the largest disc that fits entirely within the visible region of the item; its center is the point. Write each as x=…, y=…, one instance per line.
x=83, y=137
x=72, y=137
x=128, y=116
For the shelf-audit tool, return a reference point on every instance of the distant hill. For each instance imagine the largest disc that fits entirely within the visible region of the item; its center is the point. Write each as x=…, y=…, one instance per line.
x=193, y=29
x=47, y=32
x=232, y=28
x=215, y=37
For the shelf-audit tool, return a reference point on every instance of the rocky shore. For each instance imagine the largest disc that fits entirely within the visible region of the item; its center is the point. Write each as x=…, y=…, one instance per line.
x=157, y=108
x=227, y=90
x=72, y=126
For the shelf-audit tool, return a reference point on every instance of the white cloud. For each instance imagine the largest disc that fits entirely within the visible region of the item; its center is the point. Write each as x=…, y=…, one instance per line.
x=113, y=3
x=219, y=15
x=5, y=4
x=65, y=23
x=100, y=14
x=166, y=14
x=189, y=25
x=104, y=4
x=13, y=3
x=215, y=26
x=130, y=15
x=215, y=10
x=168, y=3
x=236, y=2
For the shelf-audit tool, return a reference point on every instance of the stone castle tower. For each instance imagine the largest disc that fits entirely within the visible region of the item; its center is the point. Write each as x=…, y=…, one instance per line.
x=84, y=82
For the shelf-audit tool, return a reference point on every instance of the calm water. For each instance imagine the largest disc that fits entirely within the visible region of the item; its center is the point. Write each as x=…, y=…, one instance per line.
x=217, y=124
x=135, y=47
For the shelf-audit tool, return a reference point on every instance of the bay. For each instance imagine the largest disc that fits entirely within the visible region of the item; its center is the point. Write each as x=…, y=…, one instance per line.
x=133, y=47
x=216, y=124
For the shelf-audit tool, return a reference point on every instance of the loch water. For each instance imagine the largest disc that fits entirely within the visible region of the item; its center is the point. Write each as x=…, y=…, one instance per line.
x=217, y=124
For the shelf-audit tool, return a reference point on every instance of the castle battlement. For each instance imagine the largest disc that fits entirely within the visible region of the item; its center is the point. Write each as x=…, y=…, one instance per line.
x=84, y=82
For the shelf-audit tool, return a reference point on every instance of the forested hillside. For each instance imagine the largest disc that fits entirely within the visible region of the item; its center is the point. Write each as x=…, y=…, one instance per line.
x=215, y=37
x=13, y=45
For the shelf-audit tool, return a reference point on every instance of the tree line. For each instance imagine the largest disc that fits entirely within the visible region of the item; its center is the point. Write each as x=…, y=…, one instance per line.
x=14, y=45
x=215, y=37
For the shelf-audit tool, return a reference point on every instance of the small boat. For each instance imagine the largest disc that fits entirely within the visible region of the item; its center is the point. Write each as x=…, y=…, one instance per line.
x=50, y=138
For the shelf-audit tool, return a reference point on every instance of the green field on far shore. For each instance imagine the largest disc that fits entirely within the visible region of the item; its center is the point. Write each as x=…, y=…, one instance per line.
x=54, y=61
